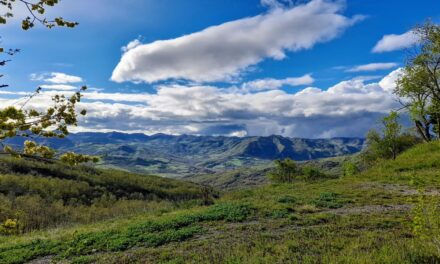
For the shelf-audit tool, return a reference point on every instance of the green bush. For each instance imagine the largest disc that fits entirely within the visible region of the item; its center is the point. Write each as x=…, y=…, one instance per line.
x=9, y=227
x=349, y=169
x=285, y=171
x=312, y=173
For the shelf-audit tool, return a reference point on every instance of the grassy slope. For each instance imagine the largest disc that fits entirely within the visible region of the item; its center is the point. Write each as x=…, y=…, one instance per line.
x=361, y=219
x=45, y=195
x=115, y=182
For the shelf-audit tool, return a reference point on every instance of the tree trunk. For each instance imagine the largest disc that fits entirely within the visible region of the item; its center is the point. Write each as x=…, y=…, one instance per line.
x=423, y=131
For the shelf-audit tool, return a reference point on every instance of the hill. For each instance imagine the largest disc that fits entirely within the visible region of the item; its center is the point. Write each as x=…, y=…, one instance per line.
x=42, y=195
x=365, y=218
x=179, y=156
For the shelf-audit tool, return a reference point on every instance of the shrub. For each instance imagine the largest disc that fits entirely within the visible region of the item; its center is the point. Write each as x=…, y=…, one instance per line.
x=388, y=143
x=285, y=171
x=349, y=169
x=312, y=173
x=9, y=227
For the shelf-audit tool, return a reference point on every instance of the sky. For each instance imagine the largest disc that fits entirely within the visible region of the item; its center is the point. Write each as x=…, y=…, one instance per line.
x=313, y=69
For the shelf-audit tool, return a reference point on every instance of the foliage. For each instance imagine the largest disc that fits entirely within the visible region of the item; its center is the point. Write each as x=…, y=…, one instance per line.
x=74, y=159
x=9, y=227
x=28, y=122
x=51, y=123
x=285, y=171
x=392, y=142
x=350, y=169
x=41, y=195
x=36, y=10
x=312, y=173
x=419, y=84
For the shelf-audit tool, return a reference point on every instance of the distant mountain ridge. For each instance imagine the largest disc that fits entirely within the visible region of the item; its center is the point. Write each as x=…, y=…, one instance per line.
x=187, y=154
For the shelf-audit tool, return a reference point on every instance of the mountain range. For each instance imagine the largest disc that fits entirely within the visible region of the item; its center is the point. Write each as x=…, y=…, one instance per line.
x=183, y=155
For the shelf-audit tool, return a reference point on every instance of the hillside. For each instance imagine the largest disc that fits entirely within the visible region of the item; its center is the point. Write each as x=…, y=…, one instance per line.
x=43, y=195
x=179, y=156
x=246, y=177
x=365, y=218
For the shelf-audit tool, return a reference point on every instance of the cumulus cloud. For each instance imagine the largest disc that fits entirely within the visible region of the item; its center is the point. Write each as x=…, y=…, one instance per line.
x=388, y=83
x=131, y=45
x=273, y=84
x=348, y=108
x=223, y=52
x=56, y=77
x=395, y=42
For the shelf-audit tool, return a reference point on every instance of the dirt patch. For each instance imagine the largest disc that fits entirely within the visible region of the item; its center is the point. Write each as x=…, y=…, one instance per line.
x=45, y=260
x=370, y=209
x=398, y=188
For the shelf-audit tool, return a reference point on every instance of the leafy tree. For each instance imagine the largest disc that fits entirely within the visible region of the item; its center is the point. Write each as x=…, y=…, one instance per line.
x=390, y=142
x=419, y=85
x=285, y=171
x=30, y=123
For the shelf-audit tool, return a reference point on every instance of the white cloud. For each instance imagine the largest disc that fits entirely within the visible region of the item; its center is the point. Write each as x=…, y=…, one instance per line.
x=60, y=87
x=273, y=84
x=62, y=78
x=373, y=67
x=388, y=83
x=349, y=108
x=223, y=52
x=56, y=78
x=276, y=3
x=131, y=45
x=395, y=42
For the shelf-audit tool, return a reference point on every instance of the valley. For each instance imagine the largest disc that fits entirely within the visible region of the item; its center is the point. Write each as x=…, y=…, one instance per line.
x=183, y=156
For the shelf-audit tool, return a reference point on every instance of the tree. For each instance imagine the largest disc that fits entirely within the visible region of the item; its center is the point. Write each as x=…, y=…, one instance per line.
x=390, y=142
x=419, y=84
x=31, y=123
x=36, y=11
x=284, y=171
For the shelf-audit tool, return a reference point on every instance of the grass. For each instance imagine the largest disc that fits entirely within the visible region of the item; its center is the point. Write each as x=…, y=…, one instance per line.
x=365, y=218
x=47, y=195
x=150, y=233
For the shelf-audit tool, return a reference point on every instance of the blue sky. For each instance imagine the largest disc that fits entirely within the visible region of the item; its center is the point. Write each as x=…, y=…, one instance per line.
x=250, y=67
